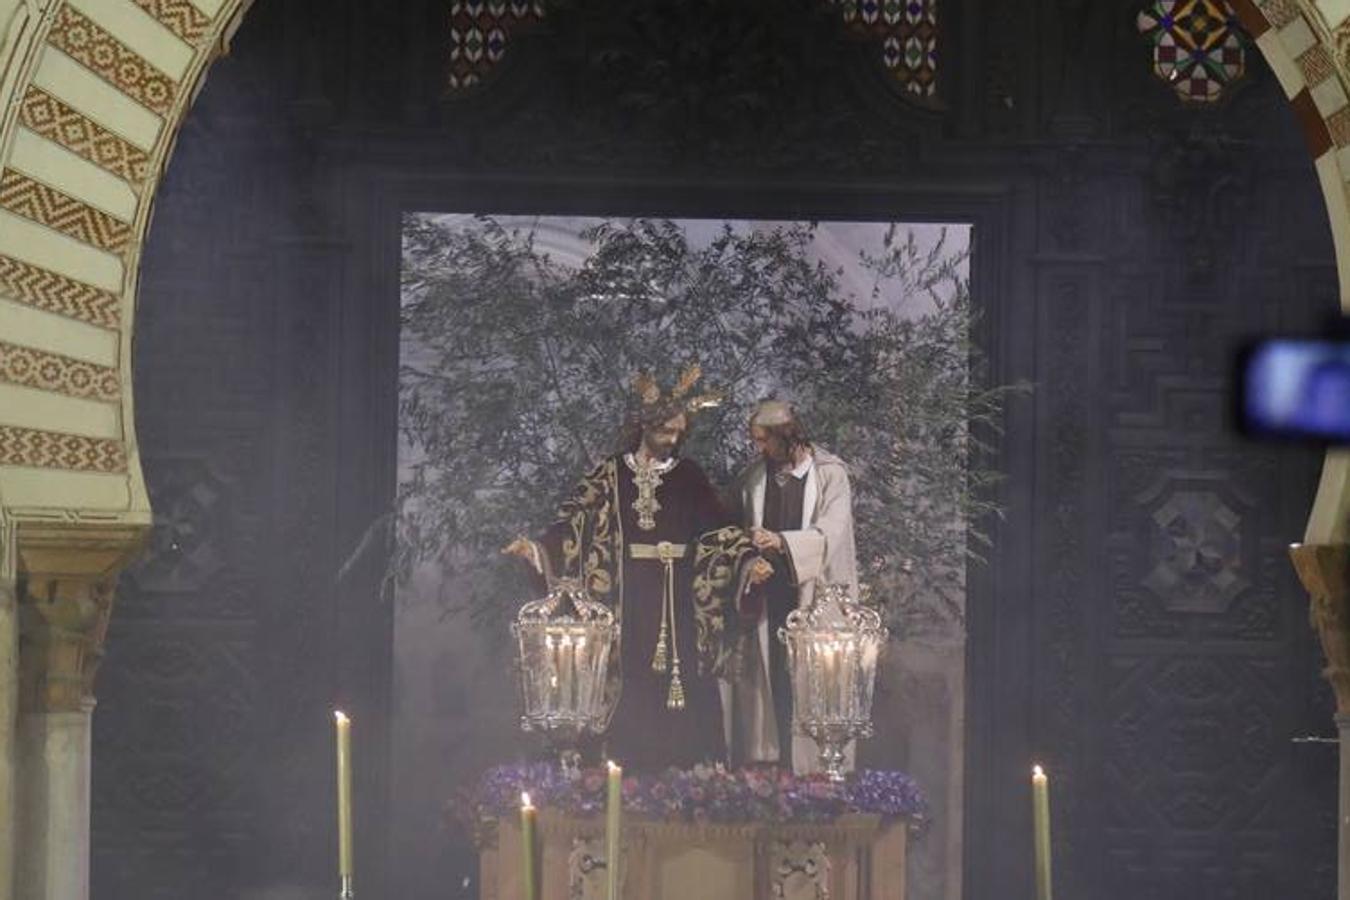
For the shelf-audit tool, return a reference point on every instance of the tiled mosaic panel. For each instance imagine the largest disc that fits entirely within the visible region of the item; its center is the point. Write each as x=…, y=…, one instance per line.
x=479, y=33
x=908, y=33
x=1198, y=46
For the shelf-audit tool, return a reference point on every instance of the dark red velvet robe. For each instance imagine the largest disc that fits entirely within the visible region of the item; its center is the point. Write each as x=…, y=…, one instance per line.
x=592, y=539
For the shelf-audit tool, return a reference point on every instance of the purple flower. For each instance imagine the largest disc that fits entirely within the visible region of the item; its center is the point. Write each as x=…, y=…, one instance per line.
x=700, y=795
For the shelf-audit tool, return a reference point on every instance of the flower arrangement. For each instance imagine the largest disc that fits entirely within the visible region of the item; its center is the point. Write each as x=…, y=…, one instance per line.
x=700, y=794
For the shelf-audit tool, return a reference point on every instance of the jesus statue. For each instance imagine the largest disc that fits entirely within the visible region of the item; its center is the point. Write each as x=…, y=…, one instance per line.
x=646, y=533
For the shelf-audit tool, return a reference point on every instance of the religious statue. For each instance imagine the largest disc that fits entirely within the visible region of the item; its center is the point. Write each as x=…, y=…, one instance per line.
x=796, y=502
x=646, y=533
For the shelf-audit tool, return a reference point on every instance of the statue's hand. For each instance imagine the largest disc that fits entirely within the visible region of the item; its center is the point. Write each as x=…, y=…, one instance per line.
x=766, y=541
x=528, y=550
x=761, y=570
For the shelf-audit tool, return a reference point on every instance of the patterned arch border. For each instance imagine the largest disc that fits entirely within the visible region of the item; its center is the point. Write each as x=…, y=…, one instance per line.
x=53, y=106
x=1310, y=56
x=1302, y=49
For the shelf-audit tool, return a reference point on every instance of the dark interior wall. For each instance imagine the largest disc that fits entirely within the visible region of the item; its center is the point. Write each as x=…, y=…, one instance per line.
x=1137, y=628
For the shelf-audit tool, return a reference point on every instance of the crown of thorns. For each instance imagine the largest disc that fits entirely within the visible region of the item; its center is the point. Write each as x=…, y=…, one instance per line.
x=654, y=406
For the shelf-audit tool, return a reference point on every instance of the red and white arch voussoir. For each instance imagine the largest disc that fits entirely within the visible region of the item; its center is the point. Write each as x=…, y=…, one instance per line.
x=1307, y=45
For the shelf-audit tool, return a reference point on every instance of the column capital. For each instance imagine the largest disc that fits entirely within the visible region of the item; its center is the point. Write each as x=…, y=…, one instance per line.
x=67, y=574
x=1324, y=570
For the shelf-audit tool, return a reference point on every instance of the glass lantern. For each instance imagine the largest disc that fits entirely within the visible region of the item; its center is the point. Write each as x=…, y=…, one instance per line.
x=832, y=649
x=562, y=646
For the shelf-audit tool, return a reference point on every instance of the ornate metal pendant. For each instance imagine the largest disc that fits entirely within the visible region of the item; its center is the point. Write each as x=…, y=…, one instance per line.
x=648, y=479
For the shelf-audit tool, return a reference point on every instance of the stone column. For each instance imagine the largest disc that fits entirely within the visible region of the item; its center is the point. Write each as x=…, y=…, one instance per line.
x=9, y=706
x=66, y=579
x=1324, y=570
x=54, y=757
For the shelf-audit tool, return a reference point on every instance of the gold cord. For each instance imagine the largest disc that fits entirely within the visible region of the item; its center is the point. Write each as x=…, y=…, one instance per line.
x=675, y=698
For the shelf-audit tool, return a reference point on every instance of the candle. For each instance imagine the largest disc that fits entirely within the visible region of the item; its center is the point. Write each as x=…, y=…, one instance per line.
x=830, y=693
x=566, y=665
x=344, y=793
x=613, y=811
x=551, y=695
x=1040, y=809
x=527, y=845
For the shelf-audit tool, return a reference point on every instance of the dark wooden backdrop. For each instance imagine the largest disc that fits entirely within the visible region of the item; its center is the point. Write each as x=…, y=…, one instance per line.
x=1137, y=628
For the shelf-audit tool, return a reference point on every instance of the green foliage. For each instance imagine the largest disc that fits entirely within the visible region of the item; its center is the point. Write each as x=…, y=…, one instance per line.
x=517, y=373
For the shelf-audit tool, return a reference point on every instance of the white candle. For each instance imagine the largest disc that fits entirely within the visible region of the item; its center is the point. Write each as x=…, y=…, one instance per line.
x=831, y=691
x=613, y=824
x=527, y=841
x=344, y=793
x=1040, y=815
x=551, y=654
x=566, y=664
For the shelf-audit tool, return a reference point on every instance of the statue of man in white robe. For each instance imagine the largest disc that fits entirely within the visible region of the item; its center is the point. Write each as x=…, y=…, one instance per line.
x=797, y=503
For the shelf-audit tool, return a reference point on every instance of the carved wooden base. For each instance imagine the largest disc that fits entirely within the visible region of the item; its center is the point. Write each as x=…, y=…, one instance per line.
x=852, y=858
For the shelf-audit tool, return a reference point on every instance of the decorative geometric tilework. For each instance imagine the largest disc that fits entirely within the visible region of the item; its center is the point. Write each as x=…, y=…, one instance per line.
x=1279, y=12
x=179, y=16
x=61, y=374
x=56, y=450
x=1316, y=64
x=1198, y=46
x=479, y=31
x=1338, y=123
x=908, y=33
x=52, y=119
x=110, y=59
x=47, y=206
x=58, y=294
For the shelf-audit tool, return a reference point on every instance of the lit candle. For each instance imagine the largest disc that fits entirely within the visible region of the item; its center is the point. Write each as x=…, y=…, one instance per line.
x=344, y=793
x=567, y=663
x=551, y=695
x=613, y=812
x=831, y=687
x=1040, y=809
x=527, y=845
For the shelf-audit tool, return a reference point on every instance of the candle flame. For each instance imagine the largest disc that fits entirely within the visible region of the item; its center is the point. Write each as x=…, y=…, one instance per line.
x=340, y=716
x=613, y=767
x=1037, y=771
x=525, y=800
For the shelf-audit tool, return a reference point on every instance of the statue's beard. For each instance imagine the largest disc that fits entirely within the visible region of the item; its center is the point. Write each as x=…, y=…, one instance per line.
x=660, y=450
x=776, y=452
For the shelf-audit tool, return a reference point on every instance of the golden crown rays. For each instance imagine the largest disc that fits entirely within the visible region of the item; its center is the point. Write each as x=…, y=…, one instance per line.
x=648, y=392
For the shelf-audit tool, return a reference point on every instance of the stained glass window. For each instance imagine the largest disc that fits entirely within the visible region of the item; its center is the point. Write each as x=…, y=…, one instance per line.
x=908, y=34
x=479, y=32
x=906, y=31
x=1198, y=46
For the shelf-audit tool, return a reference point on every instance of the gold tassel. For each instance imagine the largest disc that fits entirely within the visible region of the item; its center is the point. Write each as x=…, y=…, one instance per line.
x=659, y=657
x=675, y=698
